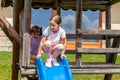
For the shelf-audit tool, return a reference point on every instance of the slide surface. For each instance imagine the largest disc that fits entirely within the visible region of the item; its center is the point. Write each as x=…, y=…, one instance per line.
x=61, y=72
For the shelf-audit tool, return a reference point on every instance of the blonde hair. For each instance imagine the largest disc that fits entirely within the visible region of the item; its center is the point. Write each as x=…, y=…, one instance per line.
x=56, y=18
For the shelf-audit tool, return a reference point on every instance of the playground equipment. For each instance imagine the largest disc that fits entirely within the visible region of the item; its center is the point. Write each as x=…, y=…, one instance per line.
x=61, y=72
x=22, y=21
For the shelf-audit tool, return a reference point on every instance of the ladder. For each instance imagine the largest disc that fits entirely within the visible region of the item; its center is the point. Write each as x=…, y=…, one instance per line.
x=112, y=47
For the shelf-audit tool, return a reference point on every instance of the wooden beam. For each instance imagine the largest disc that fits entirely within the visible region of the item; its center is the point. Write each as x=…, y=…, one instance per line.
x=107, y=32
x=88, y=35
x=80, y=71
x=5, y=31
x=9, y=31
x=44, y=1
x=98, y=50
x=97, y=65
x=96, y=71
x=66, y=3
x=114, y=1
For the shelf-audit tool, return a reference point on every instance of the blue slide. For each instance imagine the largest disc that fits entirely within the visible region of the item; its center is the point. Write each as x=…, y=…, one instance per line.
x=61, y=72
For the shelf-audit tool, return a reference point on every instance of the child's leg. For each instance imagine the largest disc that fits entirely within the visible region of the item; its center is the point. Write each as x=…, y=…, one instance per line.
x=47, y=49
x=57, y=50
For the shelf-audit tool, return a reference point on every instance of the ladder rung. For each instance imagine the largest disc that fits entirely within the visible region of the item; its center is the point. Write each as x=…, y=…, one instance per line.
x=79, y=71
x=99, y=65
x=110, y=33
x=70, y=51
x=73, y=36
x=98, y=50
x=95, y=71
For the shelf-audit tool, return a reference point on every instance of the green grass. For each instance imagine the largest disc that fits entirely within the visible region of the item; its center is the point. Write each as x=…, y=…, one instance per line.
x=5, y=65
x=93, y=58
x=6, y=62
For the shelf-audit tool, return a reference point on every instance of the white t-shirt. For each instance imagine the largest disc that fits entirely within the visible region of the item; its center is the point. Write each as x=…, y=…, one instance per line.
x=55, y=38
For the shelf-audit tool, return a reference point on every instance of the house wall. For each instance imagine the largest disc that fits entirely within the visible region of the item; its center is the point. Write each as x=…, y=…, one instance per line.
x=115, y=16
x=6, y=11
x=115, y=19
x=5, y=43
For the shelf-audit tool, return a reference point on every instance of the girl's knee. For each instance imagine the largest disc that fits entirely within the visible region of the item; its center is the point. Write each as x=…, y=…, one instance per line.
x=60, y=46
x=47, y=43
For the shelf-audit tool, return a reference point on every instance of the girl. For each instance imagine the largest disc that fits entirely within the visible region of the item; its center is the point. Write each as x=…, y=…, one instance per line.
x=35, y=40
x=53, y=41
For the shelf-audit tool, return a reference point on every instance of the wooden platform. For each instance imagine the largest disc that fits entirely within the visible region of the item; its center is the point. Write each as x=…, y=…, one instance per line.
x=85, y=68
x=96, y=71
x=80, y=71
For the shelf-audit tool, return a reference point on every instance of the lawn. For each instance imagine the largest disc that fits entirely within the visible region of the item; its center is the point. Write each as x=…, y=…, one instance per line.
x=5, y=65
x=6, y=61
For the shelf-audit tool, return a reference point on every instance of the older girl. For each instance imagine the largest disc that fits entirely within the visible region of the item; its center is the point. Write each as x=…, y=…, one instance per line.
x=53, y=41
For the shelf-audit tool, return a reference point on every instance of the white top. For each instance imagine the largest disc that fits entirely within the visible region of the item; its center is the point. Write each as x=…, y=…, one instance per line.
x=55, y=38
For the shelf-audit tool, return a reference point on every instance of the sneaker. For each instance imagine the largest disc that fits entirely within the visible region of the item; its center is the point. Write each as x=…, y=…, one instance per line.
x=48, y=63
x=55, y=63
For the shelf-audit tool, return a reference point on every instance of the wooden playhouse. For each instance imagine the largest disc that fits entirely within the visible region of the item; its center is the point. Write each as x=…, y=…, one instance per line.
x=18, y=34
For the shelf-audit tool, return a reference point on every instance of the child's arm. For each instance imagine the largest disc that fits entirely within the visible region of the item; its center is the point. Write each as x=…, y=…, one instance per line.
x=64, y=42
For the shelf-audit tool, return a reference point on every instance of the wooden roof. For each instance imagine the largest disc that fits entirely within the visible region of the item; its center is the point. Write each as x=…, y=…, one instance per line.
x=66, y=4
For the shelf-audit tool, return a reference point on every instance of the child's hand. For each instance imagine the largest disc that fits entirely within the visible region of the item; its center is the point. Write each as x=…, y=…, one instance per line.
x=33, y=58
x=63, y=55
x=38, y=56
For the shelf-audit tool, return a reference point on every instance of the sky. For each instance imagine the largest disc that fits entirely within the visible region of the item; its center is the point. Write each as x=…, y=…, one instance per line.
x=89, y=19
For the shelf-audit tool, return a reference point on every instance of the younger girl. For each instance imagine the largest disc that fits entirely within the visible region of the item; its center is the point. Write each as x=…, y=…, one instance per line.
x=35, y=40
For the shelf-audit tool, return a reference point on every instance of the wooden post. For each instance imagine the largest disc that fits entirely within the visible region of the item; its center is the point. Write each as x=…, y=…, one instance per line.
x=54, y=12
x=108, y=41
x=26, y=28
x=21, y=19
x=59, y=7
x=115, y=44
x=100, y=20
x=100, y=27
x=78, y=25
x=108, y=26
x=16, y=10
x=27, y=15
